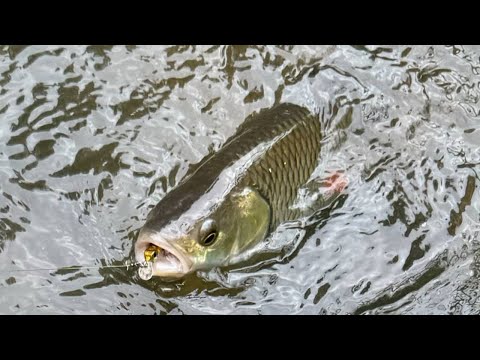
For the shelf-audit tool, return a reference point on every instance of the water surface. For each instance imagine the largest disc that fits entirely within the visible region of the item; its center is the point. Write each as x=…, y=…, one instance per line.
x=91, y=137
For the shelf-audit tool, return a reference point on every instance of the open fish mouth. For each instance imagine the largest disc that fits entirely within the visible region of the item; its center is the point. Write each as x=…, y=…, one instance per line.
x=166, y=260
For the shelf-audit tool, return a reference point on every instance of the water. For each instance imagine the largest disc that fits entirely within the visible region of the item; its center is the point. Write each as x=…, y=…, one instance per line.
x=92, y=137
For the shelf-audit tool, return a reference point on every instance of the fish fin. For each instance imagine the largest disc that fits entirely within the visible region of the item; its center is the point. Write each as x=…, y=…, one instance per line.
x=320, y=193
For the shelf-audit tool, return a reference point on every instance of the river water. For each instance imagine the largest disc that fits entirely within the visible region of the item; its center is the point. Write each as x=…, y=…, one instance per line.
x=91, y=137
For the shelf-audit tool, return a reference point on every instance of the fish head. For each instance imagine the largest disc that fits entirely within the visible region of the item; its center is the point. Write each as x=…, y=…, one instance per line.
x=212, y=233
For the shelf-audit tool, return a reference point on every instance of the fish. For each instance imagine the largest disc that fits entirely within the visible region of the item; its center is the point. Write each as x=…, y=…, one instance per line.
x=233, y=198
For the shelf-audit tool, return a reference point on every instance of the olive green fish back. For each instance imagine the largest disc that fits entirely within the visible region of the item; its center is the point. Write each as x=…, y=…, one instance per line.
x=288, y=163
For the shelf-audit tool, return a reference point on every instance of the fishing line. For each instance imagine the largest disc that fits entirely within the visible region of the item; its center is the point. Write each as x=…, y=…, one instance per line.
x=78, y=267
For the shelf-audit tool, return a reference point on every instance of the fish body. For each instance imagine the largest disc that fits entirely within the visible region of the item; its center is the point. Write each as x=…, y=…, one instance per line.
x=233, y=198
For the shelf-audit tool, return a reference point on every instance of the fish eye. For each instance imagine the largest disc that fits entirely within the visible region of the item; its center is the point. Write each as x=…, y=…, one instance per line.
x=208, y=233
x=210, y=238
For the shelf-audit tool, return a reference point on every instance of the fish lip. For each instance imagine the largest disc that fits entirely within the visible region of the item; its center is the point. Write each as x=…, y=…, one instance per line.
x=146, y=239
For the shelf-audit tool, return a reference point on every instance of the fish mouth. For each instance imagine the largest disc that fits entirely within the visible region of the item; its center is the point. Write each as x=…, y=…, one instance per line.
x=167, y=262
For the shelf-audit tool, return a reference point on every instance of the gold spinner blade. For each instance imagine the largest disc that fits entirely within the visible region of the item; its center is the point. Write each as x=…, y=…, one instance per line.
x=151, y=253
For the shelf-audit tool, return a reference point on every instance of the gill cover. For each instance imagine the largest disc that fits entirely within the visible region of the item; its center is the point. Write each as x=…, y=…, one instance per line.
x=253, y=220
x=243, y=220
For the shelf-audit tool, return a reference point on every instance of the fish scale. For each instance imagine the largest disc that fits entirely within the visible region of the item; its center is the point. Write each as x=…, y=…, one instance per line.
x=278, y=183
